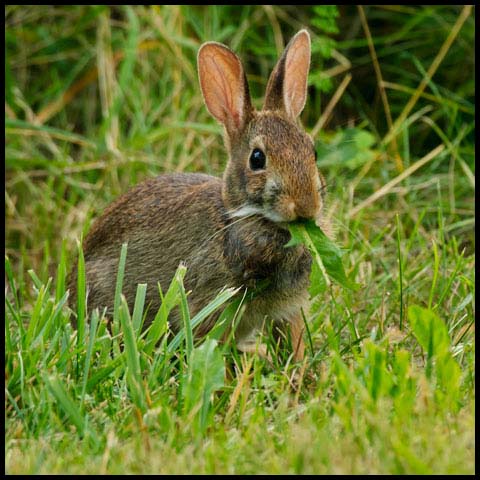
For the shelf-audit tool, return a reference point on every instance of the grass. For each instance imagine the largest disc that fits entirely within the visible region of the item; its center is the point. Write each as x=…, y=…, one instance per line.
x=99, y=98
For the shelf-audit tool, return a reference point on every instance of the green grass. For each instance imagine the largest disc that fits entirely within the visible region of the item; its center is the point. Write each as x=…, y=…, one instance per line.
x=99, y=98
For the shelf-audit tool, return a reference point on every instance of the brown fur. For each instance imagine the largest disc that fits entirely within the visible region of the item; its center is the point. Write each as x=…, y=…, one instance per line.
x=190, y=218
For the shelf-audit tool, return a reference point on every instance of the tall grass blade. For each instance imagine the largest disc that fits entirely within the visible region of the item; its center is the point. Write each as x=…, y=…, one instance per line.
x=137, y=316
x=91, y=341
x=227, y=318
x=118, y=290
x=436, y=264
x=400, y=270
x=102, y=373
x=16, y=315
x=36, y=281
x=61, y=273
x=187, y=325
x=134, y=377
x=58, y=390
x=81, y=296
x=11, y=282
x=50, y=321
x=36, y=319
x=159, y=326
x=216, y=303
x=451, y=279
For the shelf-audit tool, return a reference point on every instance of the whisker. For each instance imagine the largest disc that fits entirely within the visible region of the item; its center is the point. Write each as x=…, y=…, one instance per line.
x=231, y=224
x=323, y=189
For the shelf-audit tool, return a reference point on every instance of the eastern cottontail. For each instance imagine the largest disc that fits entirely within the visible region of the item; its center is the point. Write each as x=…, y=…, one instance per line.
x=230, y=231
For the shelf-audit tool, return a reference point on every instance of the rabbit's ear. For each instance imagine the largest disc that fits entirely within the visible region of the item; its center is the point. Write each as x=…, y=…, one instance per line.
x=287, y=86
x=224, y=86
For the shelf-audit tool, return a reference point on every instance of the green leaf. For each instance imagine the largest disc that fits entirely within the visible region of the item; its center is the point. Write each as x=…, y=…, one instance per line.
x=327, y=256
x=448, y=376
x=318, y=284
x=349, y=148
x=429, y=330
x=325, y=18
x=323, y=45
x=404, y=388
x=296, y=232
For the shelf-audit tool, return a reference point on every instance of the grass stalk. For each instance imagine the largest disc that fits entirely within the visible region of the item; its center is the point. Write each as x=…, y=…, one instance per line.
x=400, y=271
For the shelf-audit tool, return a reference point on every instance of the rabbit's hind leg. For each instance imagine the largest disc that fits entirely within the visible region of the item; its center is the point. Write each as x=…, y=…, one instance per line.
x=292, y=329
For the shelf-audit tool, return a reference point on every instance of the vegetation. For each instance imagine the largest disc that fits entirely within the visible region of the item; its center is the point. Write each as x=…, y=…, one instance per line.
x=99, y=98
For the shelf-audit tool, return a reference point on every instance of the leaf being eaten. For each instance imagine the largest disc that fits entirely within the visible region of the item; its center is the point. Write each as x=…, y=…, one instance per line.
x=327, y=257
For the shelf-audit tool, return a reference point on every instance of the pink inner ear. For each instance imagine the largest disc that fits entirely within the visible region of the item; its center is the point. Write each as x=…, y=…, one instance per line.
x=221, y=79
x=297, y=65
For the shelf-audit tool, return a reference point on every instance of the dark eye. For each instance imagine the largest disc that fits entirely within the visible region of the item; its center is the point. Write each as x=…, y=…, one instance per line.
x=257, y=159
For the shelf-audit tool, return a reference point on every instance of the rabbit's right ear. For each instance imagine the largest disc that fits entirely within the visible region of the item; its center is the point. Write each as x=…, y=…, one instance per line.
x=287, y=86
x=224, y=86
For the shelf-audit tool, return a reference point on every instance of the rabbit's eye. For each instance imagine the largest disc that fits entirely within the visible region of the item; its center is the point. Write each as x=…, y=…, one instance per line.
x=257, y=159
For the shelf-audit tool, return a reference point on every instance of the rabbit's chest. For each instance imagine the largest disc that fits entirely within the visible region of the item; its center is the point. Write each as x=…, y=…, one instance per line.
x=260, y=258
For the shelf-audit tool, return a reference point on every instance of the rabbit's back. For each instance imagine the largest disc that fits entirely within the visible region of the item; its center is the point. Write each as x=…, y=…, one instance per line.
x=166, y=220
x=144, y=207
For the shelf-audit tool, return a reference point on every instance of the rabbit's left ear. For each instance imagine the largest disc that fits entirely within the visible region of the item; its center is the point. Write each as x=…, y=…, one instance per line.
x=287, y=86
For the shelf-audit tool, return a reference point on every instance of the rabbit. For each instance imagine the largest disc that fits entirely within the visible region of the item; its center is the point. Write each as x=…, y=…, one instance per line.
x=230, y=231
